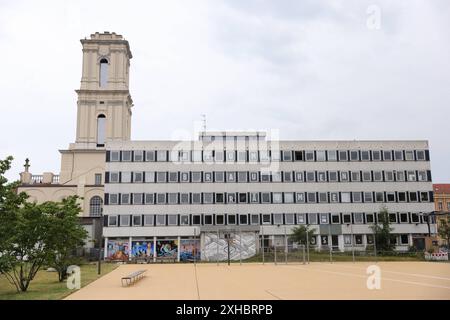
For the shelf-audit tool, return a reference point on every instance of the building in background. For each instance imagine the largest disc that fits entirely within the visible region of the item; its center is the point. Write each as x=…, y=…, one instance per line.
x=442, y=204
x=242, y=186
x=103, y=113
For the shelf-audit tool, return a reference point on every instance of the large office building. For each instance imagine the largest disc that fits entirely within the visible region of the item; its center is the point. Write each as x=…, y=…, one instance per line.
x=172, y=197
x=189, y=199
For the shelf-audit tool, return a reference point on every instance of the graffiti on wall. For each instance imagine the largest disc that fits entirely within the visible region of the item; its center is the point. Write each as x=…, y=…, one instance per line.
x=242, y=246
x=167, y=248
x=118, y=250
x=189, y=249
x=142, y=249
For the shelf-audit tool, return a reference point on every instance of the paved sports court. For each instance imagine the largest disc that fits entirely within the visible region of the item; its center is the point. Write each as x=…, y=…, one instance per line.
x=399, y=280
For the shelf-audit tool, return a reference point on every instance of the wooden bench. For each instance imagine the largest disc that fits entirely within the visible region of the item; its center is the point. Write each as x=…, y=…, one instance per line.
x=133, y=277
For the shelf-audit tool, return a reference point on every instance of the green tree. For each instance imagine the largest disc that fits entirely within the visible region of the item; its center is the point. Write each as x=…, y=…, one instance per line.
x=444, y=229
x=382, y=231
x=66, y=234
x=299, y=234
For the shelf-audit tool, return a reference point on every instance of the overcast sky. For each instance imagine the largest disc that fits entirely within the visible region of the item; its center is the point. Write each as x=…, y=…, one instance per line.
x=312, y=69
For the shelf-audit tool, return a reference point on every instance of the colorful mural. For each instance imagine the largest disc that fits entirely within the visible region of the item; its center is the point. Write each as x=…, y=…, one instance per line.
x=118, y=250
x=142, y=249
x=167, y=249
x=189, y=249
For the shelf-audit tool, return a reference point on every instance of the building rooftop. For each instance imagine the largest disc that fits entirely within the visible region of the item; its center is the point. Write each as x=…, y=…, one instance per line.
x=441, y=188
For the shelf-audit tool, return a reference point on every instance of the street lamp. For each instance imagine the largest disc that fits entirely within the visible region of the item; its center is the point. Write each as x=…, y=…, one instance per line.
x=351, y=239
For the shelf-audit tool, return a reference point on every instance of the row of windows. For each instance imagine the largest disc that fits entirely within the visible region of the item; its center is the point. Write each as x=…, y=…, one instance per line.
x=266, y=197
x=148, y=220
x=266, y=155
x=257, y=176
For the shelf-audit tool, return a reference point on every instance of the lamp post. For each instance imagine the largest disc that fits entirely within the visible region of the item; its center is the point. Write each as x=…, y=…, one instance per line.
x=351, y=239
x=307, y=242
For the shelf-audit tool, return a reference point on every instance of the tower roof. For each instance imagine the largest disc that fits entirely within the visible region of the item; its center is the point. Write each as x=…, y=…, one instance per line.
x=107, y=37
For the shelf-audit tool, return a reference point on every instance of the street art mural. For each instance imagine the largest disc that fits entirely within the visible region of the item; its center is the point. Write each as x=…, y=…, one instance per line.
x=167, y=249
x=142, y=249
x=189, y=249
x=216, y=249
x=118, y=250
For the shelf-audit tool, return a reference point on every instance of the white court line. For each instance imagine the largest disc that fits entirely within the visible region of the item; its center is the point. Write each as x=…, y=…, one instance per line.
x=365, y=277
x=398, y=272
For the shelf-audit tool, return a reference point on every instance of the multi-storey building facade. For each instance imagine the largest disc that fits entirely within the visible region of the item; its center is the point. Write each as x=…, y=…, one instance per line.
x=162, y=193
x=442, y=205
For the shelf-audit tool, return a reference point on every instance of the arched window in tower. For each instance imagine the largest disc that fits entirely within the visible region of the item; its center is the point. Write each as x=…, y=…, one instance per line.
x=103, y=73
x=95, y=206
x=101, y=130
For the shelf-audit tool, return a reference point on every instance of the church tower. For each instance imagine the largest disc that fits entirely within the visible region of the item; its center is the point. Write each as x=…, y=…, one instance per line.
x=104, y=101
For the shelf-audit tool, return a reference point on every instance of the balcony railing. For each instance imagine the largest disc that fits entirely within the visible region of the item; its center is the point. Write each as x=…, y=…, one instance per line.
x=55, y=179
x=37, y=178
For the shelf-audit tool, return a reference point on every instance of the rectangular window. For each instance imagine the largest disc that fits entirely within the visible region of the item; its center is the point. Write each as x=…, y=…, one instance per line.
x=344, y=176
x=334, y=197
x=242, y=176
x=390, y=196
x=277, y=197
x=253, y=176
x=173, y=176
x=298, y=176
x=161, y=177
x=196, y=176
x=114, y=177
x=160, y=219
x=288, y=197
x=208, y=176
x=220, y=219
x=287, y=176
x=298, y=155
x=242, y=197
x=312, y=218
x=287, y=155
x=243, y=219
x=276, y=176
x=413, y=196
x=356, y=176
x=389, y=175
x=377, y=176
x=230, y=155
x=231, y=176
x=160, y=198
x=124, y=220
x=125, y=177
x=404, y=217
x=196, y=219
x=265, y=197
x=358, y=239
x=357, y=196
x=197, y=156
x=322, y=176
x=254, y=219
x=172, y=220
x=401, y=196
x=275, y=154
x=387, y=155
x=376, y=155
x=137, y=198
x=98, y=179
x=420, y=155
x=253, y=156
x=231, y=218
x=332, y=155
x=266, y=219
x=400, y=175
x=138, y=155
x=411, y=175
x=392, y=217
x=323, y=197
x=324, y=218
x=208, y=197
x=354, y=155
x=358, y=217
x=231, y=197
x=265, y=177
x=184, y=198
x=422, y=175
x=112, y=221
x=409, y=155
x=149, y=176
x=183, y=156
x=148, y=220
x=138, y=177
x=345, y=197
x=161, y=155
x=309, y=155
x=343, y=155
x=311, y=197
x=149, y=155
x=126, y=155
x=365, y=155
x=196, y=198
x=320, y=155
x=149, y=198
x=379, y=196
x=184, y=220
x=404, y=239
x=368, y=197
x=415, y=218
x=310, y=176
x=301, y=218
x=208, y=219
x=242, y=156
x=333, y=176
x=207, y=156
x=125, y=198
x=367, y=176
x=219, y=176
x=115, y=156
x=289, y=218
x=264, y=155
x=220, y=197
x=398, y=155
x=300, y=197
x=370, y=218
x=277, y=218
x=173, y=198
x=346, y=218
x=424, y=197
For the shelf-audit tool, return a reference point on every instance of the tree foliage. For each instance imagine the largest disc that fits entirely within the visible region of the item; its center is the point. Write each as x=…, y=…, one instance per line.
x=299, y=234
x=382, y=230
x=444, y=229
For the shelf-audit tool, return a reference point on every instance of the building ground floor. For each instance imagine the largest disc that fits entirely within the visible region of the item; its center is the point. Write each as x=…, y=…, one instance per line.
x=189, y=243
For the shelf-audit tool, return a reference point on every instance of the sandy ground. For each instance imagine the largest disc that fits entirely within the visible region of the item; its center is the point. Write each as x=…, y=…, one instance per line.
x=399, y=280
